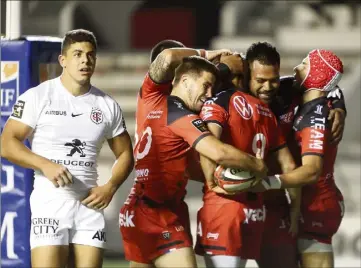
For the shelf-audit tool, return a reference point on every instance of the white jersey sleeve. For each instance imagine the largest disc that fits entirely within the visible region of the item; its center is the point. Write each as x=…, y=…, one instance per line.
x=27, y=108
x=117, y=125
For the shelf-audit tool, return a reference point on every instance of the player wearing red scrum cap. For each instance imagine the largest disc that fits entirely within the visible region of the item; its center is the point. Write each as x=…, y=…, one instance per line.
x=322, y=205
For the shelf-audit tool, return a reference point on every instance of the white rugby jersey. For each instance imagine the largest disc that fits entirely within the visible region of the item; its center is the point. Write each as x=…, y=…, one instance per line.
x=68, y=130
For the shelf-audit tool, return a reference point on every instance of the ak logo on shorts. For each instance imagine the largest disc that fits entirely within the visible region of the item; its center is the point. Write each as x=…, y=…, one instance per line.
x=96, y=115
x=100, y=235
x=76, y=147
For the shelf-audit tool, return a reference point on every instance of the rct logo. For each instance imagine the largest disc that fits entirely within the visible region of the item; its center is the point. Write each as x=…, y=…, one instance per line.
x=126, y=220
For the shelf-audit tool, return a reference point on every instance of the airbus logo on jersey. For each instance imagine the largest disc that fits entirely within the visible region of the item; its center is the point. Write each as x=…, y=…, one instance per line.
x=317, y=132
x=51, y=112
x=243, y=107
x=126, y=220
x=254, y=214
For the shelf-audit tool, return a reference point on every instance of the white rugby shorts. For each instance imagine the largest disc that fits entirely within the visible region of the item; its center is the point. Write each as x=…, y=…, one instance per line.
x=59, y=221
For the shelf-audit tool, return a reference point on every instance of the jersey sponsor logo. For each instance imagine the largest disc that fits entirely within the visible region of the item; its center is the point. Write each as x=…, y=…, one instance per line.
x=243, y=107
x=77, y=146
x=213, y=236
x=207, y=112
x=199, y=124
x=75, y=115
x=254, y=215
x=286, y=118
x=263, y=110
x=96, y=115
x=45, y=227
x=100, y=235
x=51, y=112
x=144, y=172
x=317, y=132
x=18, y=109
x=9, y=86
x=154, y=114
x=73, y=163
x=126, y=219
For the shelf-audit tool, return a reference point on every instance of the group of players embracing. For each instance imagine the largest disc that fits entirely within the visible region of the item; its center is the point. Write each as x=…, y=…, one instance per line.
x=198, y=109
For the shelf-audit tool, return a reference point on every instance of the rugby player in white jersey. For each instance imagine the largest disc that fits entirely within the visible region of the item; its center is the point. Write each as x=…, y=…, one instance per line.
x=66, y=121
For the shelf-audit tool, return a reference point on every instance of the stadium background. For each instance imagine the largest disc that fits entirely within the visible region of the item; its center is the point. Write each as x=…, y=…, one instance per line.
x=126, y=30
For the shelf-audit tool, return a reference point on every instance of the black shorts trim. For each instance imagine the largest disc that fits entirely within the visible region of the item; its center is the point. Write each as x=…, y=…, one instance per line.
x=174, y=243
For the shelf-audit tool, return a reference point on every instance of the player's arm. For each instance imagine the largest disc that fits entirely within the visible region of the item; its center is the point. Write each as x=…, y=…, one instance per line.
x=337, y=115
x=229, y=156
x=100, y=197
x=122, y=149
x=209, y=166
x=14, y=150
x=162, y=68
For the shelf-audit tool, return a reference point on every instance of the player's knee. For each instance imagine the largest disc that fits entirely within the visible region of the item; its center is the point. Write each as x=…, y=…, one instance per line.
x=49, y=256
x=87, y=256
x=220, y=261
x=183, y=257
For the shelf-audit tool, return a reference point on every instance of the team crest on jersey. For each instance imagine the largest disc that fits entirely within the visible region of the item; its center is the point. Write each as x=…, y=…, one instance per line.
x=96, y=115
x=243, y=107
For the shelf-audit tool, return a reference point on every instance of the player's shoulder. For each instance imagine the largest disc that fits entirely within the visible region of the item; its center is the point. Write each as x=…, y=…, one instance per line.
x=222, y=98
x=104, y=98
x=313, y=112
x=42, y=91
x=177, y=109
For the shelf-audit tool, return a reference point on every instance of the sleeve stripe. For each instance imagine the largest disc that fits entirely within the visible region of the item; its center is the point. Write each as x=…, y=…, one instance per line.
x=312, y=153
x=199, y=138
x=214, y=122
x=278, y=148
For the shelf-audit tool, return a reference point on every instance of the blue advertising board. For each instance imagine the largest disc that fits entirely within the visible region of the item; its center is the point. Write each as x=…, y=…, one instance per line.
x=24, y=64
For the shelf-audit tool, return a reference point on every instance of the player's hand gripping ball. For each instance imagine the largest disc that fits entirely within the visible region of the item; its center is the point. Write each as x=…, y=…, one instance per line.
x=234, y=179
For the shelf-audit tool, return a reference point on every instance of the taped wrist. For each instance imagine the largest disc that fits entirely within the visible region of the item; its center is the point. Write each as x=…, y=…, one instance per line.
x=272, y=182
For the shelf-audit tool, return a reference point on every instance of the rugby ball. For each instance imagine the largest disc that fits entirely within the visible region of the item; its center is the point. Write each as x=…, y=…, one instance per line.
x=234, y=179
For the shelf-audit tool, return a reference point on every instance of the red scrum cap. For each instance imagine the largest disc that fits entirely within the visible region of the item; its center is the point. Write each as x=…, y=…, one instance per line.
x=325, y=70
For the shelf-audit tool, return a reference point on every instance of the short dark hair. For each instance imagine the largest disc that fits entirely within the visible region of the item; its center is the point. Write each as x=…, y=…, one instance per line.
x=77, y=36
x=263, y=52
x=195, y=65
x=158, y=48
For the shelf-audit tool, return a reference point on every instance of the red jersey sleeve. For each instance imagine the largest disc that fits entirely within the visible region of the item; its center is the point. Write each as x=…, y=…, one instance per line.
x=279, y=140
x=313, y=139
x=191, y=128
x=151, y=89
x=216, y=110
x=214, y=113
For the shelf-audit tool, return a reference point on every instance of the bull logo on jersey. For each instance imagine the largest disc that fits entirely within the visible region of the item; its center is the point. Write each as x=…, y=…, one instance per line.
x=76, y=147
x=243, y=107
x=96, y=115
